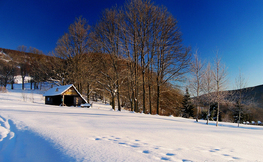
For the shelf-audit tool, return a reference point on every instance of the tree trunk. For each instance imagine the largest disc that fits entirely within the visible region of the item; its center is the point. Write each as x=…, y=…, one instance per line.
x=35, y=85
x=132, y=101
x=12, y=84
x=23, y=82
x=150, y=99
x=143, y=92
x=150, y=81
x=143, y=79
x=135, y=56
x=88, y=92
x=158, y=99
x=5, y=81
x=118, y=96
x=136, y=90
x=31, y=84
x=136, y=93
x=130, y=95
x=208, y=112
x=79, y=88
x=239, y=113
x=113, y=101
x=197, y=111
x=217, y=114
x=197, y=104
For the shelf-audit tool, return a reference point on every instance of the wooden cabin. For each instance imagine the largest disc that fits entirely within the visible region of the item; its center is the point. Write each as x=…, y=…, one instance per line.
x=66, y=95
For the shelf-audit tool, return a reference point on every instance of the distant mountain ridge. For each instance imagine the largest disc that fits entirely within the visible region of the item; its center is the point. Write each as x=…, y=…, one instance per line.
x=15, y=55
x=255, y=93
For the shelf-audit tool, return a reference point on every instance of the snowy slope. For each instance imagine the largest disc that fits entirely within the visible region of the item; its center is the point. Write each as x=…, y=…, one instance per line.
x=32, y=131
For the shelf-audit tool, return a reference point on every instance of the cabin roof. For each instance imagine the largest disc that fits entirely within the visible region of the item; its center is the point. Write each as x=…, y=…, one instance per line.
x=59, y=90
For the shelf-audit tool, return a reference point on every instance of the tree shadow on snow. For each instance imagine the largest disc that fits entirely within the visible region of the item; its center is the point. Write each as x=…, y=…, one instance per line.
x=28, y=146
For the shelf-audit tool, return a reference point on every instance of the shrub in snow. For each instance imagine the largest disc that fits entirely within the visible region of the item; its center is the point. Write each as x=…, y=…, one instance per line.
x=247, y=122
x=32, y=96
x=3, y=89
x=24, y=96
x=252, y=122
x=259, y=122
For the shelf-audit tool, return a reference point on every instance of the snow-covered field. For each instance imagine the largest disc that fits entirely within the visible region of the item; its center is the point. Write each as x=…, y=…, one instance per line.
x=33, y=131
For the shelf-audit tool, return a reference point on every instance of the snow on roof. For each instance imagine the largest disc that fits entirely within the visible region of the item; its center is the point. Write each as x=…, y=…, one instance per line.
x=59, y=90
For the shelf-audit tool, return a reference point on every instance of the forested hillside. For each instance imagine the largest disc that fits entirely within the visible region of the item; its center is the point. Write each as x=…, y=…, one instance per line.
x=252, y=94
x=96, y=74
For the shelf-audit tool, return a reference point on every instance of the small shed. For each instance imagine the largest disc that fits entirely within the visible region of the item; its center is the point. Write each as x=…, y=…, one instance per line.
x=66, y=95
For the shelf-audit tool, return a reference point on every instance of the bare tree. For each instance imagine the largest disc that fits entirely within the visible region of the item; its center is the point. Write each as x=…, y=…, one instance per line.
x=172, y=59
x=241, y=96
x=71, y=48
x=197, y=71
x=107, y=38
x=142, y=28
x=208, y=86
x=132, y=28
x=154, y=36
x=220, y=78
x=37, y=68
x=23, y=64
x=107, y=81
x=145, y=12
x=106, y=76
x=7, y=72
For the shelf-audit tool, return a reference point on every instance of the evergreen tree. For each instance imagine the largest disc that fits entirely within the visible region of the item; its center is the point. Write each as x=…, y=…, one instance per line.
x=188, y=107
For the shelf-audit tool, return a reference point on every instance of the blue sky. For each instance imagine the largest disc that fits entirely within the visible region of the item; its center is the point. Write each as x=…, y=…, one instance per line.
x=234, y=28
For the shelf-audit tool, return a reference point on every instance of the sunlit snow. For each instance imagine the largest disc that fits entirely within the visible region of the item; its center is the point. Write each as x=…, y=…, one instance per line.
x=33, y=131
